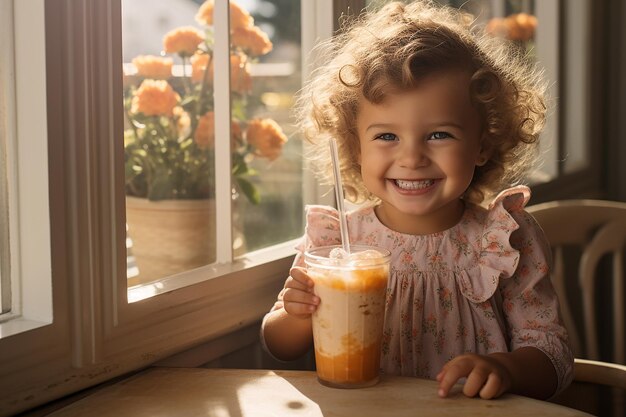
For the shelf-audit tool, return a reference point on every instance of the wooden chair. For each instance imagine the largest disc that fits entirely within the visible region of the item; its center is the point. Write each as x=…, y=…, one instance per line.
x=599, y=388
x=603, y=373
x=598, y=229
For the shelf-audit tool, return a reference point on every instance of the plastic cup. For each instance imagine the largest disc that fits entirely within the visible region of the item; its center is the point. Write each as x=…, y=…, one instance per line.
x=348, y=323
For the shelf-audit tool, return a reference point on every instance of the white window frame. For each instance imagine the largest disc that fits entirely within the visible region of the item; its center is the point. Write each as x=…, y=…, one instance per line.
x=317, y=23
x=96, y=333
x=26, y=149
x=547, y=41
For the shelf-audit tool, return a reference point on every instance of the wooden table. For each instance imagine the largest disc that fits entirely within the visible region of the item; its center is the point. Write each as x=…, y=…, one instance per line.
x=195, y=392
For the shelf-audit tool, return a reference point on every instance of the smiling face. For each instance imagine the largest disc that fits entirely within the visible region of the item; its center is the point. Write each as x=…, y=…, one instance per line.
x=419, y=150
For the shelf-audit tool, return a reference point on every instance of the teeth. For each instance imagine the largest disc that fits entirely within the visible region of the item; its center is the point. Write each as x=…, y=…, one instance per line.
x=414, y=185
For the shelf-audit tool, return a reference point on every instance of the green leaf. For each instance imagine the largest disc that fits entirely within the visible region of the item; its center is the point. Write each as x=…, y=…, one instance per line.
x=240, y=168
x=189, y=103
x=249, y=190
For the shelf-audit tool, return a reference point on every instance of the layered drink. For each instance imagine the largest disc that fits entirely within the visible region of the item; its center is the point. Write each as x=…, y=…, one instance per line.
x=348, y=323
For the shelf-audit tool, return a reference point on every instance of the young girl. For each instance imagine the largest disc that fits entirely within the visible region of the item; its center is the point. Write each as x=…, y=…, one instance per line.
x=431, y=117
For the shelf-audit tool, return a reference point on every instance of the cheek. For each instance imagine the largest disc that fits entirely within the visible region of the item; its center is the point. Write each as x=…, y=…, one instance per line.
x=462, y=163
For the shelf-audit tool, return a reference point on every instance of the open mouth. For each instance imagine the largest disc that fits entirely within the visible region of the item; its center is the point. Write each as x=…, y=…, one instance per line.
x=413, y=185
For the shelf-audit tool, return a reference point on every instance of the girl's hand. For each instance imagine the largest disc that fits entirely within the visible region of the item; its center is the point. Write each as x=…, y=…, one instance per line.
x=297, y=295
x=486, y=376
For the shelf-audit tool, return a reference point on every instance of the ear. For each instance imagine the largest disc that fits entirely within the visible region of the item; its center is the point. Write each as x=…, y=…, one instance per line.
x=483, y=157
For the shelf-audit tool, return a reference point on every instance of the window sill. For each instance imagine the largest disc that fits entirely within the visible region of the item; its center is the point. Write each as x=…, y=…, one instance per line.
x=175, y=282
x=18, y=325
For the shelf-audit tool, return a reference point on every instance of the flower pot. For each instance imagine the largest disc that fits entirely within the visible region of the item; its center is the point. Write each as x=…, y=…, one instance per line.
x=170, y=236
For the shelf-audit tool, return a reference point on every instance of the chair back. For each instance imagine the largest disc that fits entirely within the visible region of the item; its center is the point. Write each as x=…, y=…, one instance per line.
x=598, y=228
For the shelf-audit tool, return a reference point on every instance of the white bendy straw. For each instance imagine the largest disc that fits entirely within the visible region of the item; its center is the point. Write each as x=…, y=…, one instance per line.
x=343, y=223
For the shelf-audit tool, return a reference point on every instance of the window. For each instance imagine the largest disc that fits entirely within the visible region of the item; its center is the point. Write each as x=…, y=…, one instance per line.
x=25, y=286
x=6, y=38
x=176, y=185
x=99, y=326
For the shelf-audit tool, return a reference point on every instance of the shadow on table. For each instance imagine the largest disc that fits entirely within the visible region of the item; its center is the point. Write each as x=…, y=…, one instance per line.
x=403, y=396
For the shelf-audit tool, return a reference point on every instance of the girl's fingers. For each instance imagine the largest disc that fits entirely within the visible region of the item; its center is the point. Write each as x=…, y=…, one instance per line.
x=292, y=295
x=475, y=382
x=484, y=378
x=299, y=303
x=493, y=387
x=451, y=373
x=300, y=276
x=293, y=283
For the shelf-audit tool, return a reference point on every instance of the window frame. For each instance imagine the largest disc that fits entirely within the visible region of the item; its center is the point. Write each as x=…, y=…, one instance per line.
x=25, y=223
x=7, y=100
x=96, y=333
x=586, y=181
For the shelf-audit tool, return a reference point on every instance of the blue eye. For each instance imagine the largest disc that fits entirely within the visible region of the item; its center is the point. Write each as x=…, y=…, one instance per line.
x=388, y=137
x=439, y=135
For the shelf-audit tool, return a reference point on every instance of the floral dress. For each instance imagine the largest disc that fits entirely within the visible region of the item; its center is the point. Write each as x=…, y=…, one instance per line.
x=481, y=286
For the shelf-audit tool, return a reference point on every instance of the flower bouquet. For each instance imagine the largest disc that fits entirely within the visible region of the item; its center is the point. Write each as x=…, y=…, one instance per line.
x=169, y=145
x=169, y=139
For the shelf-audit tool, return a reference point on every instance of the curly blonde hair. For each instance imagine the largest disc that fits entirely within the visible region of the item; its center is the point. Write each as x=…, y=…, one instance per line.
x=391, y=50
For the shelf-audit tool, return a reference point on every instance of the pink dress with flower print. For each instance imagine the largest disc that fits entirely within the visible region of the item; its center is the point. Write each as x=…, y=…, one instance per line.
x=481, y=286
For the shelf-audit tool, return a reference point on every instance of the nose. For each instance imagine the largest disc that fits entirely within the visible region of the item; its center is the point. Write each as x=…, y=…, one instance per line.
x=413, y=154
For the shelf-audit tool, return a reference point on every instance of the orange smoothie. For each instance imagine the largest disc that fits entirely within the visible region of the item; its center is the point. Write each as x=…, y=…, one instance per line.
x=348, y=323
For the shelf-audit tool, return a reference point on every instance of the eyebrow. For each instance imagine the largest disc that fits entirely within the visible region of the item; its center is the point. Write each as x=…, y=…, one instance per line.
x=380, y=125
x=391, y=125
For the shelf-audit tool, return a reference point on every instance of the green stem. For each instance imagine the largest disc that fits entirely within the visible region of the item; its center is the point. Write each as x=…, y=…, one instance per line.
x=185, y=79
x=200, y=102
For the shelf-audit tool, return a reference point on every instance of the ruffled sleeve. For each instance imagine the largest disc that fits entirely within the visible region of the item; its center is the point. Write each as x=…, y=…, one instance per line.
x=322, y=229
x=529, y=302
x=498, y=260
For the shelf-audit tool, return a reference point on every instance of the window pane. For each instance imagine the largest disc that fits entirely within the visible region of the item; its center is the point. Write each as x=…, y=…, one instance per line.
x=533, y=28
x=276, y=76
x=170, y=204
x=5, y=275
x=25, y=286
x=170, y=134
x=576, y=102
x=6, y=120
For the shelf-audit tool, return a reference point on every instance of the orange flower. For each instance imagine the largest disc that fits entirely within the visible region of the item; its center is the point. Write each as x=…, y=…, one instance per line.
x=267, y=137
x=251, y=39
x=155, y=98
x=518, y=27
x=183, y=41
x=497, y=27
x=150, y=66
x=525, y=25
x=205, y=132
x=239, y=17
x=183, y=122
x=198, y=66
x=240, y=78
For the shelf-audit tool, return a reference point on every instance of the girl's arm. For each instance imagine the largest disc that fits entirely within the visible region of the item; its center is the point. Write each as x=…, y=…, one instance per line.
x=525, y=371
x=287, y=331
x=532, y=372
x=540, y=361
x=287, y=337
